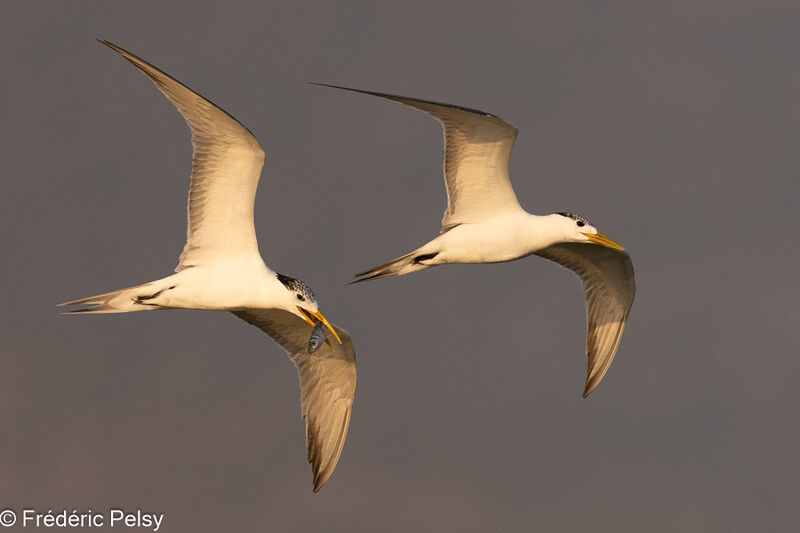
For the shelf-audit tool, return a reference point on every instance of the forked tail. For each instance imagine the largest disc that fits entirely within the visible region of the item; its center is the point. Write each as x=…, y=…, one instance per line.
x=398, y=267
x=121, y=301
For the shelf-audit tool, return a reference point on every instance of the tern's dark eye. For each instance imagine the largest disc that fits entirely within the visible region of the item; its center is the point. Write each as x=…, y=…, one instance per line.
x=581, y=223
x=300, y=297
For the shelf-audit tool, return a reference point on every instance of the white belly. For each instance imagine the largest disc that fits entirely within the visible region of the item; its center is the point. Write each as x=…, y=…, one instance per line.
x=226, y=287
x=503, y=238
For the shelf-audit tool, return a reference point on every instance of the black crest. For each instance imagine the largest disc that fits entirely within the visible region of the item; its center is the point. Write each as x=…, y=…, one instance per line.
x=575, y=217
x=303, y=291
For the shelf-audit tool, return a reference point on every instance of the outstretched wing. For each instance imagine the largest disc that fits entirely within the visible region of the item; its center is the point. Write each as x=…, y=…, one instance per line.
x=327, y=384
x=607, y=276
x=226, y=165
x=477, y=147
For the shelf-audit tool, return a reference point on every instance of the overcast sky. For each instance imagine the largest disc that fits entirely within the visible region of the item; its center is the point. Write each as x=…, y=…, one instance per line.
x=673, y=128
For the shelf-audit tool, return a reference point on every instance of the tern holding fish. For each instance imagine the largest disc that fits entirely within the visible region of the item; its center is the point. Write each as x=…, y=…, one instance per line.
x=221, y=269
x=318, y=335
x=484, y=223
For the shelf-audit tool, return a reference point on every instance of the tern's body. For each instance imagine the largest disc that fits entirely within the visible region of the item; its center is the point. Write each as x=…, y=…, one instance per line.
x=484, y=223
x=225, y=286
x=221, y=269
x=504, y=237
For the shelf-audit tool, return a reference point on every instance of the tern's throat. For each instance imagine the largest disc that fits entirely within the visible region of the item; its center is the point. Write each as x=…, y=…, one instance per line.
x=539, y=232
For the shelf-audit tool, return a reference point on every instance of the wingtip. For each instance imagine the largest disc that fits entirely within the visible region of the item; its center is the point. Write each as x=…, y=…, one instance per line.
x=107, y=43
x=320, y=479
x=118, y=49
x=589, y=387
x=414, y=102
x=343, y=88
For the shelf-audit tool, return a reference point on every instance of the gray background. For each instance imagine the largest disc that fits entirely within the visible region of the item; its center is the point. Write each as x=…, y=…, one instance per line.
x=673, y=128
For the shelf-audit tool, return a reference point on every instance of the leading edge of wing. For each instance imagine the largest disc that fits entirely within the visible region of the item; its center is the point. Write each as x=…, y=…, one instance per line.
x=407, y=99
x=148, y=68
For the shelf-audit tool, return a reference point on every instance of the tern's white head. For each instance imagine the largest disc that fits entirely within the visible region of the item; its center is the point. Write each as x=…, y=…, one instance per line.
x=577, y=229
x=300, y=300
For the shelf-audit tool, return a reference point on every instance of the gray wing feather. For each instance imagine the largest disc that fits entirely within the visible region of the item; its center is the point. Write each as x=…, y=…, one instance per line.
x=608, y=282
x=477, y=147
x=327, y=384
x=226, y=165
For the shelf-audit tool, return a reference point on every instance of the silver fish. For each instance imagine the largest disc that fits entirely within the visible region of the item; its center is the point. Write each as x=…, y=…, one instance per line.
x=318, y=335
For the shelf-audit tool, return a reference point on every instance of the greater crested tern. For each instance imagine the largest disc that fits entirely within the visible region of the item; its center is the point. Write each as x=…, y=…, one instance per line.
x=221, y=269
x=484, y=223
